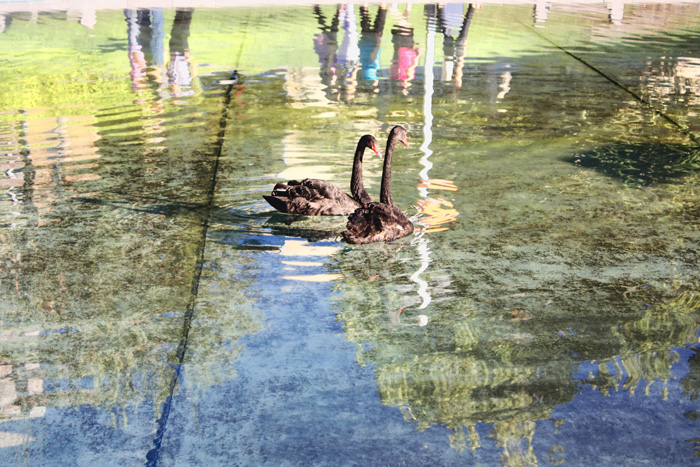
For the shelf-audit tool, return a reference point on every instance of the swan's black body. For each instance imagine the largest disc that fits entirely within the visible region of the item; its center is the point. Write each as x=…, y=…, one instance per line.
x=382, y=221
x=312, y=197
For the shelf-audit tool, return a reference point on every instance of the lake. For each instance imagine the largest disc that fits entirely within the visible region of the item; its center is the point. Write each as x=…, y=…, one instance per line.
x=155, y=310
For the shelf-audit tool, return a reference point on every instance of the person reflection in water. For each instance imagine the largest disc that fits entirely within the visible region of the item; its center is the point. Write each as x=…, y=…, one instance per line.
x=180, y=69
x=5, y=21
x=454, y=51
x=153, y=80
x=406, y=53
x=339, y=63
x=146, y=34
x=326, y=46
x=348, y=53
x=370, y=45
x=137, y=59
x=147, y=56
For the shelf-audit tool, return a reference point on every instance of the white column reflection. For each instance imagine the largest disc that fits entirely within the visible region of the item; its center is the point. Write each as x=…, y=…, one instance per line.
x=419, y=240
x=616, y=9
x=542, y=8
x=433, y=211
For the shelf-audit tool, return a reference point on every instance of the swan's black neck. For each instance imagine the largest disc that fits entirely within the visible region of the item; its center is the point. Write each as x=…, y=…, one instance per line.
x=385, y=192
x=357, y=186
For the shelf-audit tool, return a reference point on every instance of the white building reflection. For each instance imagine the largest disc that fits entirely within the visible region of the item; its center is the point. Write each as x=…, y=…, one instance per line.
x=44, y=160
x=20, y=391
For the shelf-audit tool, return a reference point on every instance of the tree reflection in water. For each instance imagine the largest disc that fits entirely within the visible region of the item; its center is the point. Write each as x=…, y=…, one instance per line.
x=489, y=315
x=479, y=363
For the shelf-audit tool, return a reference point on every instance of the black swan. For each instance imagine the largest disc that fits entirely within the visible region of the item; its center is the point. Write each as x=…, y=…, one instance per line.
x=312, y=197
x=383, y=221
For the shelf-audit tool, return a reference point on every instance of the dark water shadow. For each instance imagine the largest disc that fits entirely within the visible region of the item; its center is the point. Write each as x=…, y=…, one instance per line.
x=170, y=207
x=311, y=228
x=641, y=163
x=691, y=382
x=231, y=223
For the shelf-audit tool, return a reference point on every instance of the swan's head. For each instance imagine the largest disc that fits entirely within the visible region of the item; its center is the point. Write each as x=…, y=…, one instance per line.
x=400, y=134
x=370, y=141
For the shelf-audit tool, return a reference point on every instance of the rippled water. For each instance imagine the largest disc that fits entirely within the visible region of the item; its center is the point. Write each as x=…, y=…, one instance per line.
x=155, y=310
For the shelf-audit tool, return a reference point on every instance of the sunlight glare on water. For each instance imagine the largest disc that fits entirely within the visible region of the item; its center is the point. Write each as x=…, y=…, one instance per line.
x=154, y=309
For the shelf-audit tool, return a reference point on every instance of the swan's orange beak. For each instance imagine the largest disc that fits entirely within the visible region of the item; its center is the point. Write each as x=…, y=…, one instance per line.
x=376, y=150
x=404, y=142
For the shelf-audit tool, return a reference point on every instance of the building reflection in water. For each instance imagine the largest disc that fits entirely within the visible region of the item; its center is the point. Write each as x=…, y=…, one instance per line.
x=86, y=16
x=20, y=394
x=298, y=267
x=45, y=160
x=302, y=161
x=541, y=12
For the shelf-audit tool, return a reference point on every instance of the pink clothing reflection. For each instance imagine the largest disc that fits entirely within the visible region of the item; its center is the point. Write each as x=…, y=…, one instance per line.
x=405, y=67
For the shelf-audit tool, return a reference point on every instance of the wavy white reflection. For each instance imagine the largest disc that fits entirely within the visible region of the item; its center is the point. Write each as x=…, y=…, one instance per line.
x=419, y=240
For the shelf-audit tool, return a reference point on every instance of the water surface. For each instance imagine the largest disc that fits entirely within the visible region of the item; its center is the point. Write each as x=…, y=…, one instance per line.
x=155, y=310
